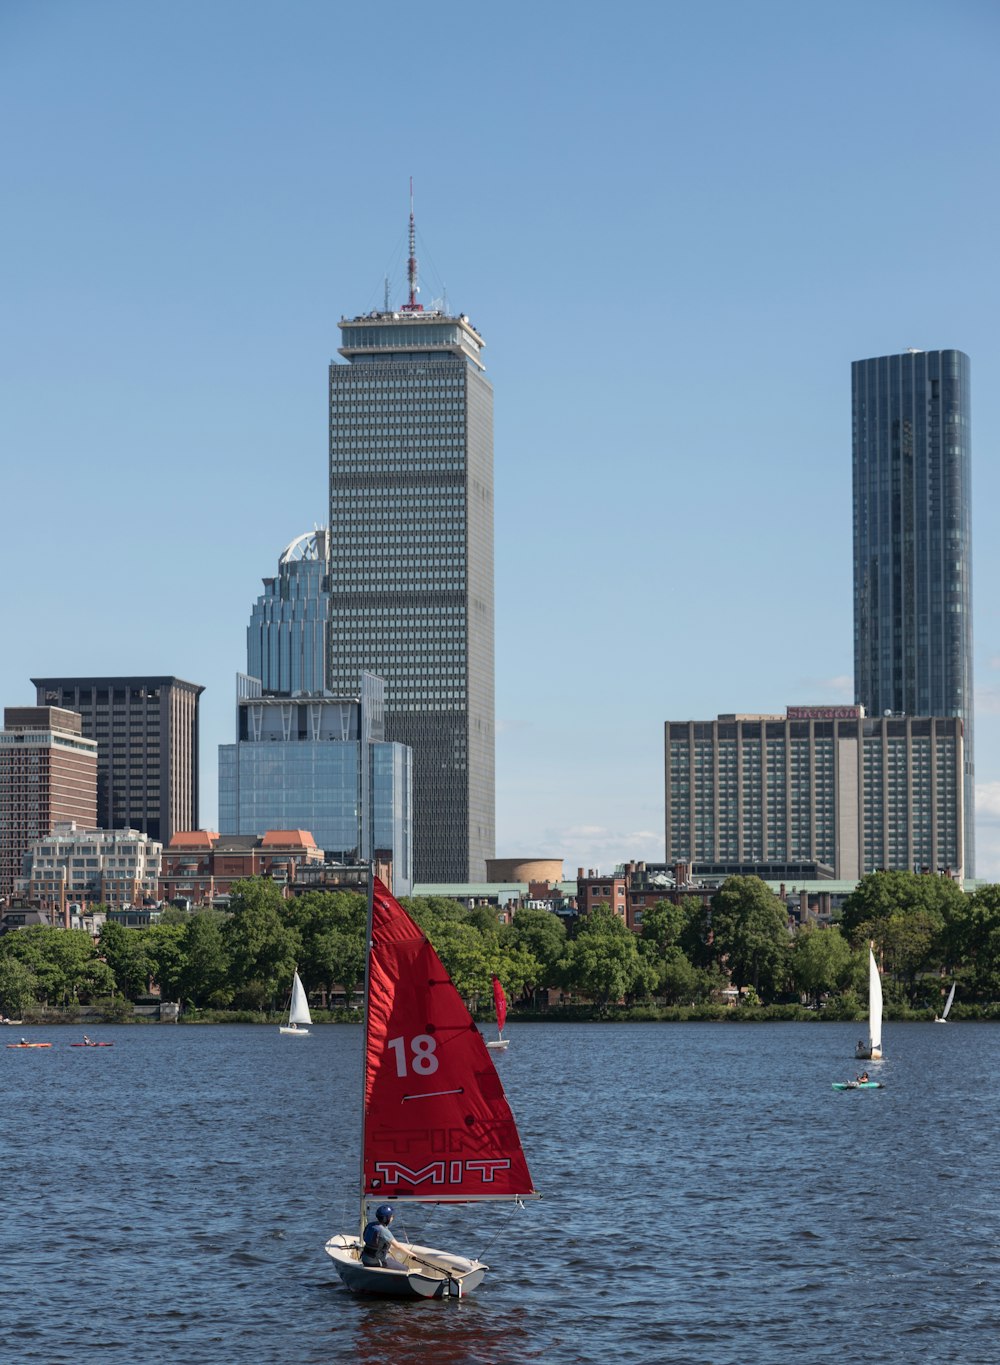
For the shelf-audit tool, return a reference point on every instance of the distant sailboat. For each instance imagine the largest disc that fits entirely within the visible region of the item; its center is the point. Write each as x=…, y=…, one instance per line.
x=298, y=1013
x=947, y=1007
x=500, y=1043
x=874, y=1049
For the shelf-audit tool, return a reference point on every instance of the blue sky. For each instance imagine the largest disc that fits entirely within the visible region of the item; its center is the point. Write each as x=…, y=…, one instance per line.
x=675, y=225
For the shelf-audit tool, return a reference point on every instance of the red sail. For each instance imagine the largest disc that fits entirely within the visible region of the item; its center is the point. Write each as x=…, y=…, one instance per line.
x=500, y=1000
x=437, y=1123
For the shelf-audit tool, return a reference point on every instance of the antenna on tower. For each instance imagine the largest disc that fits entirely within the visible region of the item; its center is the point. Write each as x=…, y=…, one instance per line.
x=411, y=265
x=386, y=295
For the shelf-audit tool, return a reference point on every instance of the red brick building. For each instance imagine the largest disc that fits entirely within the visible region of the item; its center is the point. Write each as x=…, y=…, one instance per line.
x=199, y=865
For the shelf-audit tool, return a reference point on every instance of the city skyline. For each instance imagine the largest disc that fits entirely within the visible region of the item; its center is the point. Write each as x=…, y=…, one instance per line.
x=676, y=237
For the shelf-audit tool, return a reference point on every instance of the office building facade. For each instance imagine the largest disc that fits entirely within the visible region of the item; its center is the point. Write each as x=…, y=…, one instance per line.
x=287, y=634
x=147, y=748
x=411, y=564
x=321, y=764
x=821, y=785
x=913, y=544
x=48, y=774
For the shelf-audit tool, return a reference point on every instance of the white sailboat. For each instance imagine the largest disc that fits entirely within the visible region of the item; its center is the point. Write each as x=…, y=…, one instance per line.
x=873, y=1051
x=298, y=1013
x=436, y=1127
x=947, y=1007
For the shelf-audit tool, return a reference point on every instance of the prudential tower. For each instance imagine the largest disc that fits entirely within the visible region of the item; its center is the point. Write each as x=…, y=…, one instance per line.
x=411, y=561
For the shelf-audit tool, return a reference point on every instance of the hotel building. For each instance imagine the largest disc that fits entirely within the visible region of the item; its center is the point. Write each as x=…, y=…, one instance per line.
x=821, y=784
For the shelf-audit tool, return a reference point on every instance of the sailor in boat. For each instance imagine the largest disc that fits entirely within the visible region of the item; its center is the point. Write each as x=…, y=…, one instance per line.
x=378, y=1239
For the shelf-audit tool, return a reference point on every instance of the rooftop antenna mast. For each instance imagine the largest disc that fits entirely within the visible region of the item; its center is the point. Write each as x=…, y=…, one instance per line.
x=411, y=265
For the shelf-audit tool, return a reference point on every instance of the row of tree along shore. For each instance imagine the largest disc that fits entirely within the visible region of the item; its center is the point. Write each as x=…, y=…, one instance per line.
x=733, y=958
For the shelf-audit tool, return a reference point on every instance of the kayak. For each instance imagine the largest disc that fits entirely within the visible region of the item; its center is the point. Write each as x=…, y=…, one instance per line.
x=91, y=1044
x=29, y=1045
x=858, y=1085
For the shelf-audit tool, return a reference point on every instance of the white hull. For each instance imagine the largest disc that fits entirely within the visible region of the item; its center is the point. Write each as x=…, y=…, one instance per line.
x=424, y=1273
x=499, y=1044
x=868, y=1054
x=292, y=1032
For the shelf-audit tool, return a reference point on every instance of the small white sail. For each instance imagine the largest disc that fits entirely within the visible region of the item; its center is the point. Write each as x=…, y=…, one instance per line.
x=874, y=1005
x=951, y=997
x=299, y=1012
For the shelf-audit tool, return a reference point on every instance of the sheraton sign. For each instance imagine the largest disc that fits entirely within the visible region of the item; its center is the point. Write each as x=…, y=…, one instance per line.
x=824, y=712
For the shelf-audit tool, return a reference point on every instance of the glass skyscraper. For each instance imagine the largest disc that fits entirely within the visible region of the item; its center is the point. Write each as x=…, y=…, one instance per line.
x=303, y=763
x=411, y=564
x=286, y=637
x=913, y=544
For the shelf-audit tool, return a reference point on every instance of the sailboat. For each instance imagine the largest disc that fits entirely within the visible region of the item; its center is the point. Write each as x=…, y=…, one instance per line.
x=500, y=1043
x=874, y=1049
x=947, y=1005
x=298, y=1013
x=436, y=1126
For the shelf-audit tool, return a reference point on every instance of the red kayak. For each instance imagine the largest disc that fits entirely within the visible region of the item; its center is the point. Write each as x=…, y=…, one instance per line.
x=29, y=1044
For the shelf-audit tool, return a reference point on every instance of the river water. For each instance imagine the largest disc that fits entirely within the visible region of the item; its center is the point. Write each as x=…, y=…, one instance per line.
x=709, y=1199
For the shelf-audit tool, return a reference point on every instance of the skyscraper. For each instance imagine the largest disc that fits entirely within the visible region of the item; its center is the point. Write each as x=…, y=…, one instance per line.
x=48, y=773
x=286, y=637
x=913, y=544
x=411, y=562
x=147, y=748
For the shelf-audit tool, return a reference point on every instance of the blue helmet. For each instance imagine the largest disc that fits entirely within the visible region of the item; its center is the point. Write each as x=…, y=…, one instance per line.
x=383, y=1213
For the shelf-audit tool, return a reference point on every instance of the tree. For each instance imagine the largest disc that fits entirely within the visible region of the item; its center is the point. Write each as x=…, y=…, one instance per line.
x=124, y=950
x=64, y=962
x=165, y=952
x=602, y=962
x=261, y=948
x=662, y=926
x=821, y=961
x=750, y=931
x=880, y=895
x=203, y=970
x=542, y=936
x=910, y=943
x=18, y=984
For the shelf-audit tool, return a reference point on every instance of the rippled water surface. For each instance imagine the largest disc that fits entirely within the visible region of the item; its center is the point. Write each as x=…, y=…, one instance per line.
x=708, y=1198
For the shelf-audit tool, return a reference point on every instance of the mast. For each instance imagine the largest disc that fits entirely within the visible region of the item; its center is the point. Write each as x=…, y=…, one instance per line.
x=364, y=1035
x=411, y=265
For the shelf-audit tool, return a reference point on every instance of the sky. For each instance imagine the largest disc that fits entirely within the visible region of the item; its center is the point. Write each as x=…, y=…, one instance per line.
x=675, y=226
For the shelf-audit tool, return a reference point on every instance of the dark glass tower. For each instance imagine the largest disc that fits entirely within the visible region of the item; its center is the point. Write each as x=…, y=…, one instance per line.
x=913, y=544
x=411, y=564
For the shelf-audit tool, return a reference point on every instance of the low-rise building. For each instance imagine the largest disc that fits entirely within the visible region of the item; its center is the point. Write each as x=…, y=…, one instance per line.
x=72, y=869
x=199, y=866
